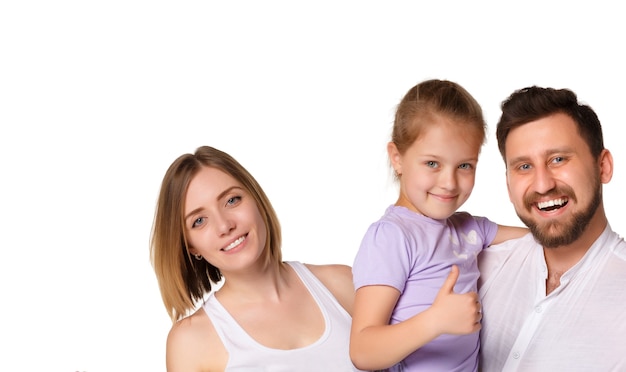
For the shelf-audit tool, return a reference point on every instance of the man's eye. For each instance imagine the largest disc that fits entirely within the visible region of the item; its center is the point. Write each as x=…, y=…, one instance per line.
x=558, y=159
x=524, y=167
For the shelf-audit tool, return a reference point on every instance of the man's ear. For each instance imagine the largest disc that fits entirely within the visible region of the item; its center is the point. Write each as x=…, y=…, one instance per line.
x=606, y=166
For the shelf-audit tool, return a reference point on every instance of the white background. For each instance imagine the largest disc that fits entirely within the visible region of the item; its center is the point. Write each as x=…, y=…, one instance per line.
x=97, y=98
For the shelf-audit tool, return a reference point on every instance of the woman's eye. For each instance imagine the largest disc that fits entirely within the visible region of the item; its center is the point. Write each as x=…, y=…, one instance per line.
x=432, y=164
x=234, y=200
x=197, y=222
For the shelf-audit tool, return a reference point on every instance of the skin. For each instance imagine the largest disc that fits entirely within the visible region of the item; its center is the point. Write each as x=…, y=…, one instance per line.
x=437, y=171
x=548, y=161
x=270, y=302
x=437, y=176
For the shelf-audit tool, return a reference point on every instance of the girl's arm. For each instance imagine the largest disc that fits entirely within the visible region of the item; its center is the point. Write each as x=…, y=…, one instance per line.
x=375, y=344
x=508, y=232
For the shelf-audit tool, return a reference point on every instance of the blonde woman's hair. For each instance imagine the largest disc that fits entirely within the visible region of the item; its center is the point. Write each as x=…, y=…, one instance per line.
x=183, y=280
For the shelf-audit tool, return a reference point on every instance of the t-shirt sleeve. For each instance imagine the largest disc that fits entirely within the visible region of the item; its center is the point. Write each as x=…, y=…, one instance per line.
x=488, y=228
x=383, y=257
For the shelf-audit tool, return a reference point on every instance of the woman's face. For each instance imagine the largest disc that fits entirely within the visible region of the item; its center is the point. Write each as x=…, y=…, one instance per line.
x=222, y=221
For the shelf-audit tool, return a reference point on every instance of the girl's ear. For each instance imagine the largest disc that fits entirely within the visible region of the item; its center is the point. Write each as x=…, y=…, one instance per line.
x=395, y=158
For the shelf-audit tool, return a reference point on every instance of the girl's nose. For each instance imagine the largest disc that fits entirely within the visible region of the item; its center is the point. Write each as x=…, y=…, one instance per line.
x=448, y=180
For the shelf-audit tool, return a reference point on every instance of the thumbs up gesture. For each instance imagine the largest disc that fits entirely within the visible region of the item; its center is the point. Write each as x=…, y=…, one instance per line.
x=456, y=313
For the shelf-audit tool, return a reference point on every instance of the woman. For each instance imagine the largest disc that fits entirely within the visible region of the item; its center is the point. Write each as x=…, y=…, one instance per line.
x=215, y=225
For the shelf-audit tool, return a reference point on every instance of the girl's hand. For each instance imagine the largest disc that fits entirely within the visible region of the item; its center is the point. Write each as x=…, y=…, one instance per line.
x=456, y=313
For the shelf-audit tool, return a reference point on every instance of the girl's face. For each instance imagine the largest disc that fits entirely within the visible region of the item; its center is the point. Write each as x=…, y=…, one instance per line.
x=437, y=171
x=222, y=221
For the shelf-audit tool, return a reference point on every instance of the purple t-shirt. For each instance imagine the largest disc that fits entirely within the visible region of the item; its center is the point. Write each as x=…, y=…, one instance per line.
x=414, y=254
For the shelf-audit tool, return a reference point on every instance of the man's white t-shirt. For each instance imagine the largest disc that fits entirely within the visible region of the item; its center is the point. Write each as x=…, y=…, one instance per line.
x=580, y=326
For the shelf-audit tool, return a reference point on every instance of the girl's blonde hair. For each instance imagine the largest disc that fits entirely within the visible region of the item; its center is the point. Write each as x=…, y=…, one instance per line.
x=429, y=99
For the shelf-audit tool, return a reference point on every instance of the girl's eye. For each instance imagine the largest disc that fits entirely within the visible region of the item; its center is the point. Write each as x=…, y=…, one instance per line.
x=467, y=166
x=197, y=222
x=432, y=164
x=234, y=200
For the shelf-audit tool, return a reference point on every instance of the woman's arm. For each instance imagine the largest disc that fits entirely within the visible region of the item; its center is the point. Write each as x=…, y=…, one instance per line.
x=193, y=345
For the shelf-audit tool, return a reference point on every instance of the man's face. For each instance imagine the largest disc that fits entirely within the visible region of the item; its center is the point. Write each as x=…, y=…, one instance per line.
x=553, y=180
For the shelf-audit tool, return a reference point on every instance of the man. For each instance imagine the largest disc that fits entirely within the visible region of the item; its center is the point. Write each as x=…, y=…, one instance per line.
x=554, y=300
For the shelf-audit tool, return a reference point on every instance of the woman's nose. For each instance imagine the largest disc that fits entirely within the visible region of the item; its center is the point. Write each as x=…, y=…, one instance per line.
x=224, y=223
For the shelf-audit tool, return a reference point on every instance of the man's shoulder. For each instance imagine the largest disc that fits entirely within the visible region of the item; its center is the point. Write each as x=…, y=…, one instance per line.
x=526, y=242
x=619, y=247
x=613, y=244
x=498, y=258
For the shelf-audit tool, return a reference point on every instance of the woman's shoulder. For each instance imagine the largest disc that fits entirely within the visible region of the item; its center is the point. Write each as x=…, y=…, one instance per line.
x=338, y=279
x=331, y=272
x=193, y=345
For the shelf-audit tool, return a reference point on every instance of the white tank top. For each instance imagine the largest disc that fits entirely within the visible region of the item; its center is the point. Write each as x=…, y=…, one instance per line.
x=329, y=353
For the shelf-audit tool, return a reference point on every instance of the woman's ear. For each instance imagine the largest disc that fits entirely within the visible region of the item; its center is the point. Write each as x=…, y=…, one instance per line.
x=192, y=251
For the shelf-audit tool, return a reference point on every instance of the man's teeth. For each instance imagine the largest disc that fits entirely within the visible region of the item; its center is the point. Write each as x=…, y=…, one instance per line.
x=234, y=244
x=551, y=203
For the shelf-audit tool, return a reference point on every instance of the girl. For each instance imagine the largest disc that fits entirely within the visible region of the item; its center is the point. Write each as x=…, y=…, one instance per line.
x=415, y=274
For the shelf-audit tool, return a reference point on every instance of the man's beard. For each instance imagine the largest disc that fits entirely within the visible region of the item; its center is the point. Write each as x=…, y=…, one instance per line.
x=565, y=232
